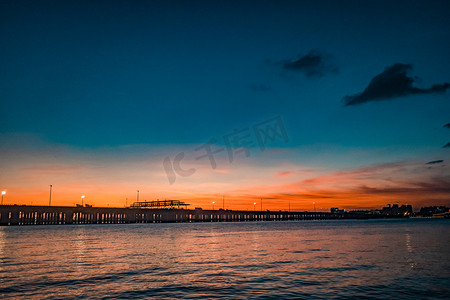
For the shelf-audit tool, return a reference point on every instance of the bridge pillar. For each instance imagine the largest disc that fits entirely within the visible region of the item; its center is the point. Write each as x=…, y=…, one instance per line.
x=4, y=217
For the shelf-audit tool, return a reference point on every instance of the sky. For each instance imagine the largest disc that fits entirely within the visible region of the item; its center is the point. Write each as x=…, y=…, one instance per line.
x=289, y=103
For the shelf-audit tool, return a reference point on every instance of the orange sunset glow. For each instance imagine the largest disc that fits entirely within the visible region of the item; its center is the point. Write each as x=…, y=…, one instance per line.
x=113, y=181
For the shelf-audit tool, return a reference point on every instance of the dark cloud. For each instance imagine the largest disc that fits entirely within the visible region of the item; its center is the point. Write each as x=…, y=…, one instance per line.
x=313, y=64
x=446, y=145
x=435, y=162
x=447, y=125
x=439, y=185
x=393, y=82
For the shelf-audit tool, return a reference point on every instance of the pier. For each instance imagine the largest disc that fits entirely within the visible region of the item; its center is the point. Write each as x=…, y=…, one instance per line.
x=59, y=215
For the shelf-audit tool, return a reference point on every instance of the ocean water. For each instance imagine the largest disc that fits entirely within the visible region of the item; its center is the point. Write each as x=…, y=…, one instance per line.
x=342, y=259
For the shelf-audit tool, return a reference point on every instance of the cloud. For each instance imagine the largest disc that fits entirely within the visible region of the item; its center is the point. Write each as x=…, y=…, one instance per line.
x=393, y=82
x=283, y=174
x=447, y=125
x=413, y=188
x=435, y=162
x=370, y=186
x=313, y=64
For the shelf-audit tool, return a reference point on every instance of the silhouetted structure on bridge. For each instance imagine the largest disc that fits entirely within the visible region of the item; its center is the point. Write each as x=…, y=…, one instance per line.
x=161, y=204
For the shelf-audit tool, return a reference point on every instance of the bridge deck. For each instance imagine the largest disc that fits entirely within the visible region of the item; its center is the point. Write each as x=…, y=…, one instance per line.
x=41, y=215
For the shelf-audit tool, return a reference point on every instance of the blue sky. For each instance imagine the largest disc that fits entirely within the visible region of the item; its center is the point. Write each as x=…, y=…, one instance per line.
x=95, y=75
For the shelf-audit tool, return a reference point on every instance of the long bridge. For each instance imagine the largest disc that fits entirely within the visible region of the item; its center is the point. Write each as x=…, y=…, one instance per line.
x=58, y=215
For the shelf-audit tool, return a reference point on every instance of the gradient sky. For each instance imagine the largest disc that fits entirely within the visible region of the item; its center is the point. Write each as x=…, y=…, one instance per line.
x=96, y=94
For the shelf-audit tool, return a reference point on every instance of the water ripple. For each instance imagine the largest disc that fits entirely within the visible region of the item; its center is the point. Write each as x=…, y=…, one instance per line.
x=261, y=260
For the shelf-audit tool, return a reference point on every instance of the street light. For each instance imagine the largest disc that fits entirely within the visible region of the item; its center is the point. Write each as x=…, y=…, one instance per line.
x=82, y=200
x=254, y=206
x=314, y=203
x=50, y=197
x=213, y=204
x=3, y=192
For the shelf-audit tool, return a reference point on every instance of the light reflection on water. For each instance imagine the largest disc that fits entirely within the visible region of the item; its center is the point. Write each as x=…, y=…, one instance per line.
x=318, y=259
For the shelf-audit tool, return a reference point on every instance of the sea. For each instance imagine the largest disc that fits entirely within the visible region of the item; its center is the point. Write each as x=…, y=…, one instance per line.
x=334, y=259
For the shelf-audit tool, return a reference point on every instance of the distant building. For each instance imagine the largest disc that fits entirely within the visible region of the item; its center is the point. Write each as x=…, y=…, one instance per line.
x=397, y=211
x=433, y=210
x=336, y=210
